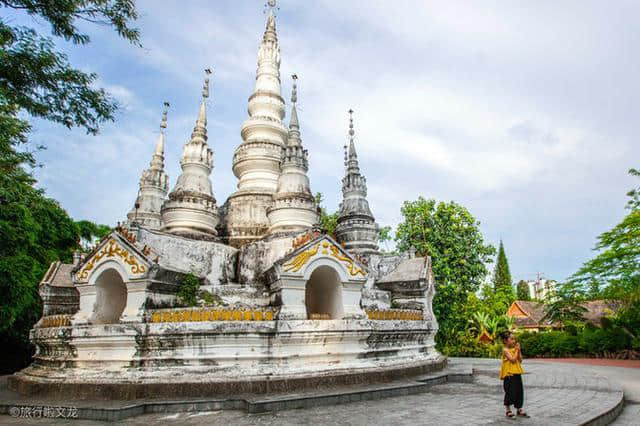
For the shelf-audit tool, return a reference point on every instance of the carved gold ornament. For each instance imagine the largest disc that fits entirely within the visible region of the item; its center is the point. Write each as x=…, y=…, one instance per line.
x=55, y=321
x=395, y=315
x=353, y=269
x=295, y=264
x=110, y=250
x=325, y=246
x=206, y=314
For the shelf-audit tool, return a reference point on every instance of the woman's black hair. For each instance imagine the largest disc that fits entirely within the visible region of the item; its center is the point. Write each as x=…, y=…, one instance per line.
x=505, y=335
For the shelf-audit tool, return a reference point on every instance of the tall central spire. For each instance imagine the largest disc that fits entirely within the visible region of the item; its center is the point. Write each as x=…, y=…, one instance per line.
x=357, y=229
x=256, y=162
x=191, y=208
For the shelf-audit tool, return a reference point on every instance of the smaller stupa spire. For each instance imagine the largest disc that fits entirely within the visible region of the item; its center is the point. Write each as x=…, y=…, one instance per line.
x=154, y=184
x=191, y=208
x=356, y=227
x=293, y=206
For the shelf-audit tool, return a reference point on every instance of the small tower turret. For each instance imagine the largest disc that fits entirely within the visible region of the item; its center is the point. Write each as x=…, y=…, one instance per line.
x=293, y=206
x=357, y=229
x=153, y=187
x=191, y=209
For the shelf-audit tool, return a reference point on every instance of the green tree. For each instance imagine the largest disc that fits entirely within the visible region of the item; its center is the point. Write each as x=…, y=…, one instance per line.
x=189, y=289
x=450, y=234
x=384, y=236
x=495, y=303
x=38, y=81
x=522, y=290
x=565, y=304
x=501, y=274
x=615, y=272
x=328, y=221
x=89, y=232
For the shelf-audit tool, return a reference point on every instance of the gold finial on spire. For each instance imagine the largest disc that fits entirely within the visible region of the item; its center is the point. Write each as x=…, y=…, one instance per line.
x=205, y=88
x=163, y=122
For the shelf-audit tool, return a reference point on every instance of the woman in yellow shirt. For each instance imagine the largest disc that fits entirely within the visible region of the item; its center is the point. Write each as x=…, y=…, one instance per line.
x=511, y=374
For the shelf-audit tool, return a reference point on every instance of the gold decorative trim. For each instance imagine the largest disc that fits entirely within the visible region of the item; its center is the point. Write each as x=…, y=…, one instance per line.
x=318, y=316
x=353, y=269
x=55, y=321
x=395, y=315
x=205, y=315
x=111, y=249
x=295, y=264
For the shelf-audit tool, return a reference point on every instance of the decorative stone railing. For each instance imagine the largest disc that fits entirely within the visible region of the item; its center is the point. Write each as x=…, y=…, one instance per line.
x=55, y=321
x=208, y=314
x=395, y=314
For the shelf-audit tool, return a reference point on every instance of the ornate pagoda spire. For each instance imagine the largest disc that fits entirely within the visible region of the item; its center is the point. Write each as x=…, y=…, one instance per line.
x=357, y=229
x=256, y=161
x=153, y=187
x=293, y=206
x=191, y=208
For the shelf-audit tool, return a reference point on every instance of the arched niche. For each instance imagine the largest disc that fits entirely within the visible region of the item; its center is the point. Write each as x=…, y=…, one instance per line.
x=323, y=293
x=111, y=297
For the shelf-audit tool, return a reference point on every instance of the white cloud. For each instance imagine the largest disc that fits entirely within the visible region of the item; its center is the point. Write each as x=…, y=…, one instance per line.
x=523, y=111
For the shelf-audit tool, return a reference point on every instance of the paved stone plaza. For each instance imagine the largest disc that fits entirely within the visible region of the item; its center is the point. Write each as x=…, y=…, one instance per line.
x=555, y=394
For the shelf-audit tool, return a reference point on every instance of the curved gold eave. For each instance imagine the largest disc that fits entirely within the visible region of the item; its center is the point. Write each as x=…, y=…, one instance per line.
x=295, y=264
x=112, y=249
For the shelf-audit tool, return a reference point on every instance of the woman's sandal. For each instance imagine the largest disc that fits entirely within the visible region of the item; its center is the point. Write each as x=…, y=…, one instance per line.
x=510, y=414
x=522, y=413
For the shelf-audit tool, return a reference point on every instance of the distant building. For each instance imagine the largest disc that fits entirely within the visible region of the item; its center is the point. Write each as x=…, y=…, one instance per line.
x=540, y=288
x=528, y=315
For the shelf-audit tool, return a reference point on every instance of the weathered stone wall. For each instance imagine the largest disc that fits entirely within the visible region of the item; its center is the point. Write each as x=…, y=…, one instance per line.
x=255, y=258
x=59, y=300
x=213, y=261
x=226, y=351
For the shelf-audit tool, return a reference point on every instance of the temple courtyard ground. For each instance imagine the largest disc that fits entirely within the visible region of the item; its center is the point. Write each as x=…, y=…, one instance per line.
x=559, y=392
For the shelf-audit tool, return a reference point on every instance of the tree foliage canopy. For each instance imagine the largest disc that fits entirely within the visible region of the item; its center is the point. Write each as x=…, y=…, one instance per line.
x=328, y=221
x=522, y=290
x=615, y=272
x=451, y=236
x=501, y=274
x=39, y=80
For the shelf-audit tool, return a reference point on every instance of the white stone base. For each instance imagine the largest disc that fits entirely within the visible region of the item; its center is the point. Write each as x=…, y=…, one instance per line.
x=225, y=350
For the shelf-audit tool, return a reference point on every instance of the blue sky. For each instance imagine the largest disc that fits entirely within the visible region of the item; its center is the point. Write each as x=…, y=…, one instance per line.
x=524, y=112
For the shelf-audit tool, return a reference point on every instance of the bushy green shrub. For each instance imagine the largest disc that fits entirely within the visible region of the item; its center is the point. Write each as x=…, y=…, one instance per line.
x=468, y=346
x=588, y=341
x=563, y=344
x=604, y=340
x=188, y=291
